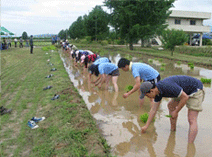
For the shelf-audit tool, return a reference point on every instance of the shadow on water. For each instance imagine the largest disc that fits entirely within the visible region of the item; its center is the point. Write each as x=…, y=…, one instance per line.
x=118, y=118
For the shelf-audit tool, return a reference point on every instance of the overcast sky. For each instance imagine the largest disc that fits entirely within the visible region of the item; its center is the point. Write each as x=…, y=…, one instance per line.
x=51, y=16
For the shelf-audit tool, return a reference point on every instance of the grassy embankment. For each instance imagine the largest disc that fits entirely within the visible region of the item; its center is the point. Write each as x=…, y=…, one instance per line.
x=68, y=130
x=196, y=55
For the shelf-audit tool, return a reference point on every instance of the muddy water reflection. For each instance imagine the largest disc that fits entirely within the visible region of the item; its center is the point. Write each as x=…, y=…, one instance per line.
x=119, y=121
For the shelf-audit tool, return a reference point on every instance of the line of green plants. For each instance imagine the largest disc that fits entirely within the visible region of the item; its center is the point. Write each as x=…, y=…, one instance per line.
x=205, y=80
x=205, y=51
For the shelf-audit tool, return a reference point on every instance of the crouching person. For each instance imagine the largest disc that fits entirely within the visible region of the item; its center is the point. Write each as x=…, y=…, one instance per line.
x=107, y=71
x=184, y=90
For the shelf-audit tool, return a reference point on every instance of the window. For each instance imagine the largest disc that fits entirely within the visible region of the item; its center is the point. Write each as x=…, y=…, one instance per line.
x=177, y=22
x=192, y=22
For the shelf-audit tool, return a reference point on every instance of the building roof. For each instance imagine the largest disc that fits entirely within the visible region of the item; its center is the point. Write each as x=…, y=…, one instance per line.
x=190, y=14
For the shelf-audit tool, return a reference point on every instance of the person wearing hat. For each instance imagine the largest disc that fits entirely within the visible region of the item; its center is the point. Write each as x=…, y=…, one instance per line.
x=141, y=72
x=183, y=90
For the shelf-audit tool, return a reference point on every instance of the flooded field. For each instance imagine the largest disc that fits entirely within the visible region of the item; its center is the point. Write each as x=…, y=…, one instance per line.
x=118, y=118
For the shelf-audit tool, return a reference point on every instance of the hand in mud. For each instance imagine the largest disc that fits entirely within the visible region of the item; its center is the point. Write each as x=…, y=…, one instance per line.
x=125, y=95
x=99, y=86
x=174, y=115
x=143, y=129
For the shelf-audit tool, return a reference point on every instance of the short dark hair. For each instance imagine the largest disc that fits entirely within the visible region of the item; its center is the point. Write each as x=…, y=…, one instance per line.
x=123, y=62
x=94, y=69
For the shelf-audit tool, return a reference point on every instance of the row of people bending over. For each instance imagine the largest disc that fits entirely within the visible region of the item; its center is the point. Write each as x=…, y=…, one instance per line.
x=184, y=90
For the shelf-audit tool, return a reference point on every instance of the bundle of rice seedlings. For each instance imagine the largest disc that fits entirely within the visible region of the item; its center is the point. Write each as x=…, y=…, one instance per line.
x=128, y=88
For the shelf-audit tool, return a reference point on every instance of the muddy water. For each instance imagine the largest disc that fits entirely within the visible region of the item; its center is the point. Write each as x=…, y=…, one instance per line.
x=118, y=118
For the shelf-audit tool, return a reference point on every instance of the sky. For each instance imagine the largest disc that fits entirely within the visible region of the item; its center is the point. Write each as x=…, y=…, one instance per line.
x=51, y=16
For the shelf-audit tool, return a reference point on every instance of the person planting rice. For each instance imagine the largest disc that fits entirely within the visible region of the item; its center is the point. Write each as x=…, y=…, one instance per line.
x=106, y=71
x=98, y=61
x=183, y=90
x=141, y=72
x=78, y=55
x=87, y=59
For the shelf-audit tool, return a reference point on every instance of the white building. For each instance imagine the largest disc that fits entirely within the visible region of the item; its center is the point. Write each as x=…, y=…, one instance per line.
x=189, y=21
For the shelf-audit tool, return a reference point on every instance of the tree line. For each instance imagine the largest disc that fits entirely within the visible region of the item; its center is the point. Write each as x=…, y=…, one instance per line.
x=131, y=20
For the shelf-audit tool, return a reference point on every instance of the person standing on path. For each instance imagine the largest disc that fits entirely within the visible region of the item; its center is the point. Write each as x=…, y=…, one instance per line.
x=141, y=72
x=31, y=44
x=9, y=42
x=15, y=41
x=183, y=90
x=21, y=43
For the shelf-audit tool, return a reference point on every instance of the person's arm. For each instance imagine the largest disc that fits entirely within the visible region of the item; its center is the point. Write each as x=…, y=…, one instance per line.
x=97, y=81
x=183, y=99
x=135, y=87
x=103, y=78
x=152, y=113
x=89, y=77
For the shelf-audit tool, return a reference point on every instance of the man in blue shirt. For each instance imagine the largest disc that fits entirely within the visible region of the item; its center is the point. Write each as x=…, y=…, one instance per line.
x=101, y=60
x=141, y=72
x=107, y=71
x=184, y=90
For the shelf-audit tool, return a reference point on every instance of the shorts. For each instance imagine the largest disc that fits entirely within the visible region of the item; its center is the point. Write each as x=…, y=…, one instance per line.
x=153, y=81
x=115, y=73
x=195, y=100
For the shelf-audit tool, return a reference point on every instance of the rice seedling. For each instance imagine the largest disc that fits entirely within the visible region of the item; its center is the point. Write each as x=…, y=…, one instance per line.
x=191, y=66
x=160, y=59
x=178, y=62
x=128, y=56
x=163, y=64
x=190, y=63
x=169, y=116
x=162, y=69
x=128, y=88
x=150, y=60
x=144, y=117
x=205, y=80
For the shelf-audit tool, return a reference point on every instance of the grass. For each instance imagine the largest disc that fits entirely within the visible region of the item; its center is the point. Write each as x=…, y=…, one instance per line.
x=69, y=128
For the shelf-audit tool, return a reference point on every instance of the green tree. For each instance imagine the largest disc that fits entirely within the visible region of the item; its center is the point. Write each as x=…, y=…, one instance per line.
x=24, y=35
x=138, y=19
x=171, y=38
x=63, y=34
x=96, y=24
x=77, y=29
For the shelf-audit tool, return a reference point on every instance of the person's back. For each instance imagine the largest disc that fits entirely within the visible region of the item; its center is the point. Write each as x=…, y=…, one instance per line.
x=101, y=60
x=145, y=71
x=31, y=41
